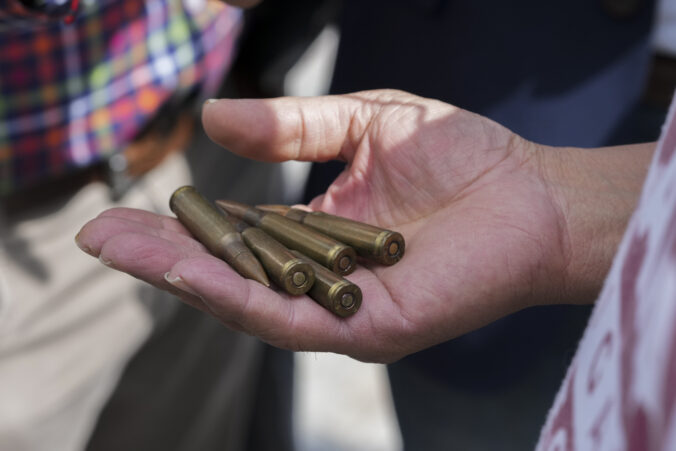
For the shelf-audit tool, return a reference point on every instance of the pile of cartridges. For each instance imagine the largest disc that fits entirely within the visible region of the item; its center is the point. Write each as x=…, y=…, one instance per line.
x=301, y=251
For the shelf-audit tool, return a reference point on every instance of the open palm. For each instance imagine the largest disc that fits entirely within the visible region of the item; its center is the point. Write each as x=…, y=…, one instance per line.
x=483, y=235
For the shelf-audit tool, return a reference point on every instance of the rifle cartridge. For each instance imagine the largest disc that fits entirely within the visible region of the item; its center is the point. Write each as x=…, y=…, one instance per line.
x=292, y=274
x=371, y=242
x=338, y=295
x=338, y=257
x=212, y=229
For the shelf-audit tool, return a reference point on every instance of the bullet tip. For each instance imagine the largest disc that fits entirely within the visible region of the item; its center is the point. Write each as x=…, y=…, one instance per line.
x=279, y=209
x=237, y=209
x=249, y=266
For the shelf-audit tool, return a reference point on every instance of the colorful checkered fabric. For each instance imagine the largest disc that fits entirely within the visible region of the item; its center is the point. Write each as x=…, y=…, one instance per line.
x=75, y=91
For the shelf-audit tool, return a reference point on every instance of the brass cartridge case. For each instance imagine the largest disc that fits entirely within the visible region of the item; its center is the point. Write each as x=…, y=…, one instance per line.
x=371, y=242
x=212, y=229
x=336, y=294
x=338, y=257
x=292, y=274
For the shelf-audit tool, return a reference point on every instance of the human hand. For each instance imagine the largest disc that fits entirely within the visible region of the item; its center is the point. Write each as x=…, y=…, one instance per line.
x=487, y=233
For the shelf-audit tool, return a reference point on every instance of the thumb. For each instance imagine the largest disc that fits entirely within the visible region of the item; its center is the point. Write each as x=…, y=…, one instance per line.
x=292, y=128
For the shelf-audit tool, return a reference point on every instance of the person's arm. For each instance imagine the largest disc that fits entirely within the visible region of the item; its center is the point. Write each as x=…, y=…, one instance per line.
x=591, y=192
x=597, y=191
x=493, y=223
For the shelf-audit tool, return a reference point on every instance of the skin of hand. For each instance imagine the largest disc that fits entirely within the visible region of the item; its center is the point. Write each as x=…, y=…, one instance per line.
x=493, y=223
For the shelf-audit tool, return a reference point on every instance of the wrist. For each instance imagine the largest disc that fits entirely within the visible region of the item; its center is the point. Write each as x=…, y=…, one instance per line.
x=595, y=192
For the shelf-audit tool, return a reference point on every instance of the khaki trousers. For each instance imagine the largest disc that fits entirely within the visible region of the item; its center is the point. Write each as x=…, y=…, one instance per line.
x=68, y=324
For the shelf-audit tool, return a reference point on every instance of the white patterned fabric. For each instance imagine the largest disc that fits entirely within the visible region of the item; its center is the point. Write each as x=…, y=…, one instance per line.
x=620, y=390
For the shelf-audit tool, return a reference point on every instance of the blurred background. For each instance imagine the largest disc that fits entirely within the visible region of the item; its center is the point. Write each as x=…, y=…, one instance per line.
x=585, y=73
x=581, y=73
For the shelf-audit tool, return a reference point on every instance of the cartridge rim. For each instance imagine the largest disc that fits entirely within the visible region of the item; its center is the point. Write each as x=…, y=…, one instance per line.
x=342, y=291
x=297, y=277
x=392, y=247
x=343, y=260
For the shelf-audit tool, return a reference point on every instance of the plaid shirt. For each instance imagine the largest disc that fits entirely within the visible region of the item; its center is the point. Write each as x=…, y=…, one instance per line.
x=75, y=89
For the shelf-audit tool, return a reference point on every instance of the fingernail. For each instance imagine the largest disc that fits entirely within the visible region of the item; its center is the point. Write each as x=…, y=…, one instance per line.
x=179, y=283
x=106, y=261
x=82, y=247
x=210, y=101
